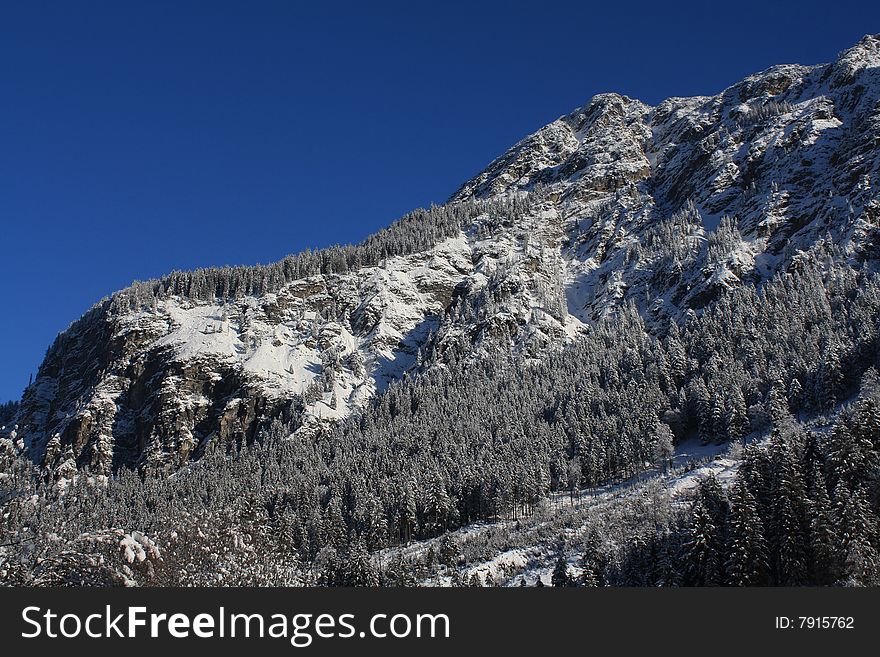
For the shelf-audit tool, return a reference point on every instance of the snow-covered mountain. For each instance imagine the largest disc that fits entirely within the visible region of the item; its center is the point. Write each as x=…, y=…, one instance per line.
x=618, y=202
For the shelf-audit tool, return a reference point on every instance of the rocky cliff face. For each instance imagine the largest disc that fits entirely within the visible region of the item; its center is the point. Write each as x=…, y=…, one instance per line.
x=664, y=207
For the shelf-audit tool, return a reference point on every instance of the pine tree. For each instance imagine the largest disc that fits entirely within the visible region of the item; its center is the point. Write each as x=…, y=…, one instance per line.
x=702, y=557
x=664, y=449
x=666, y=571
x=866, y=420
x=736, y=417
x=561, y=576
x=457, y=579
x=851, y=455
x=448, y=552
x=777, y=404
x=408, y=517
x=591, y=565
x=830, y=375
x=747, y=560
x=823, y=534
x=857, y=529
x=333, y=527
x=359, y=569
x=788, y=539
x=438, y=505
x=677, y=358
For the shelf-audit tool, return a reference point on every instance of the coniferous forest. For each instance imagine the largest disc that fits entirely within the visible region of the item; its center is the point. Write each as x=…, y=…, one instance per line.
x=641, y=348
x=458, y=445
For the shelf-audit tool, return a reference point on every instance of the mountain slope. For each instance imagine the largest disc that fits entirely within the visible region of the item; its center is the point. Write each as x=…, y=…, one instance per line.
x=664, y=207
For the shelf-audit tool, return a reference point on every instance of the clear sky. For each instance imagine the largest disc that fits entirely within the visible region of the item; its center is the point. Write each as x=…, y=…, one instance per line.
x=138, y=137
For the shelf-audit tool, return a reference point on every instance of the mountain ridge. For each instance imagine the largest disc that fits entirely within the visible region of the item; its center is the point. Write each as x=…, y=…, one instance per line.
x=665, y=208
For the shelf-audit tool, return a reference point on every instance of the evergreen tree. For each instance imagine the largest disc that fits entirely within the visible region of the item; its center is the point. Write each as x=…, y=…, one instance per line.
x=448, y=551
x=561, y=576
x=438, y=505
x=788, y=520
x=823, y=533
x=702, y=557
x=857, y=528
x=591, y=565
x=747, y=560
x=358, y=569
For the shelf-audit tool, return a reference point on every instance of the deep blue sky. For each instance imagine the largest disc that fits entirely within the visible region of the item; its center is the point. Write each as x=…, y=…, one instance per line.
x=141, y=137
